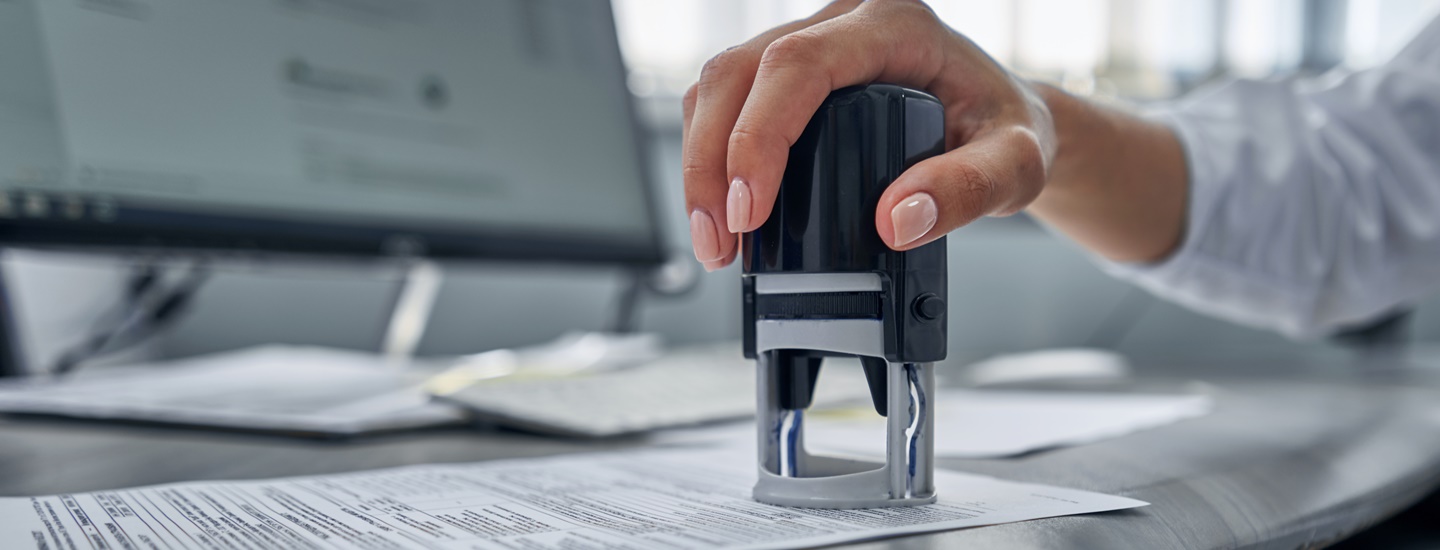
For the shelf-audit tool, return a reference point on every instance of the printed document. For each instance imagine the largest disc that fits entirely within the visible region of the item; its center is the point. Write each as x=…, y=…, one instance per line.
x=651, y=499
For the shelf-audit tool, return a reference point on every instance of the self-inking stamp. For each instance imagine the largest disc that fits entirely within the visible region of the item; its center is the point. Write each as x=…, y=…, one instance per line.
x=819, y=283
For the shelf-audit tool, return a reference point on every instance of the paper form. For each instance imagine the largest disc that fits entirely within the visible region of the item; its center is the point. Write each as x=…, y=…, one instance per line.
x=654, y=499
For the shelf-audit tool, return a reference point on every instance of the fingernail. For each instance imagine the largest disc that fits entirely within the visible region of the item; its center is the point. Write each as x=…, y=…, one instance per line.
x=703, y=235
x=713, y=266
x=913, y=218
x=737, y=206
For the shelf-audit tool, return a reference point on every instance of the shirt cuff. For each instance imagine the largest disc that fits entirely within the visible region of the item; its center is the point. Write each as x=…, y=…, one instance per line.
x=1192, y=276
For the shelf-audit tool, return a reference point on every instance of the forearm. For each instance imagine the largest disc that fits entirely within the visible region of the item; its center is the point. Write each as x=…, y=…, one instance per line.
x=1117, y=185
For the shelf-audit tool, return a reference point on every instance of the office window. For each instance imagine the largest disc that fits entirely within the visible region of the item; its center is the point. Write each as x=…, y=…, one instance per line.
x=1143, y=49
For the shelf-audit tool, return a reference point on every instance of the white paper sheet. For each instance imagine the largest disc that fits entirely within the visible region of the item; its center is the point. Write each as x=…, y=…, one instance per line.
x=994, y=423
x=276, y=388
x=690, y=498
x=980, y=423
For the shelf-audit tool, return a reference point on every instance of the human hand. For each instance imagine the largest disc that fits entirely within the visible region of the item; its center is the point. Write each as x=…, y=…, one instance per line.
x=752, y=102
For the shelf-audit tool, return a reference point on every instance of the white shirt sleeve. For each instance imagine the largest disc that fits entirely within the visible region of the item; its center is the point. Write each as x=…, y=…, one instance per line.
x=1314, y=205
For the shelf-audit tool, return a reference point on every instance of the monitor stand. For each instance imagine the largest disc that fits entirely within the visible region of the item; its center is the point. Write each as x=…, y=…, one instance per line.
x=11, y=356
x=414, y=301
x=420, y=287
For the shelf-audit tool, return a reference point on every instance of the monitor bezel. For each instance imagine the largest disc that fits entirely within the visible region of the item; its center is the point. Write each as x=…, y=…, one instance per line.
x=145, y=228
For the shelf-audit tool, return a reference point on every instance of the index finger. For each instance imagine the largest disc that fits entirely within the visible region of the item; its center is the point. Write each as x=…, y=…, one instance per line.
x=711, y=107
x=796, y=73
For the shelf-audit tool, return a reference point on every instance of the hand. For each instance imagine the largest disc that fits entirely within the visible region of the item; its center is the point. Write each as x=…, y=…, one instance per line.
x=753, y=101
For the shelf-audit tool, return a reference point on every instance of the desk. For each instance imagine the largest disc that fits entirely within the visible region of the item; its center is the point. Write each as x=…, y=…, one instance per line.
x=1280, y=463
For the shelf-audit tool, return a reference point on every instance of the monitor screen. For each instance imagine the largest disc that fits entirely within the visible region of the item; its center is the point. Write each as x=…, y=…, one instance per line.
x=439, y=127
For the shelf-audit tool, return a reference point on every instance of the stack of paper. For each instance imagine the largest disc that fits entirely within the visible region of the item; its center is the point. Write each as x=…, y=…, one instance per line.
x=306, y=390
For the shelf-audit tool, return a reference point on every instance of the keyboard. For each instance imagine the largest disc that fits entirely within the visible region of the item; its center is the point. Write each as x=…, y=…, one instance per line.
x=682, y=388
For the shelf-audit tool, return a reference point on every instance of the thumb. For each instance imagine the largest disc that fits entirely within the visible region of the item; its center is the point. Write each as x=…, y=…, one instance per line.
x=995, y=174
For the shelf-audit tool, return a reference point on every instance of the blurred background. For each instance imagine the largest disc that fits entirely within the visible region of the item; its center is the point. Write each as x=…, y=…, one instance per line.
x=1016, y=286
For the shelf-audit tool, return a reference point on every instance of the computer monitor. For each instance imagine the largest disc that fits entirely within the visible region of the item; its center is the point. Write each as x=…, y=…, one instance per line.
x=446, y=128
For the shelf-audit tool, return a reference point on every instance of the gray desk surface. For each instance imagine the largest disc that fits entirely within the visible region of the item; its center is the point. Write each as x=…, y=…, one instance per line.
x=1281, y=463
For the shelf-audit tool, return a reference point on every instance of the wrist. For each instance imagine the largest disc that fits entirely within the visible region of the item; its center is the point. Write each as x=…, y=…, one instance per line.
x=1117, y=184
x=1082, y=138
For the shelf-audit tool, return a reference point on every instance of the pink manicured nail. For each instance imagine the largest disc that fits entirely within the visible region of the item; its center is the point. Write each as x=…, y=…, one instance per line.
x=913, y=218
x=737, y=206
x=704, y=236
